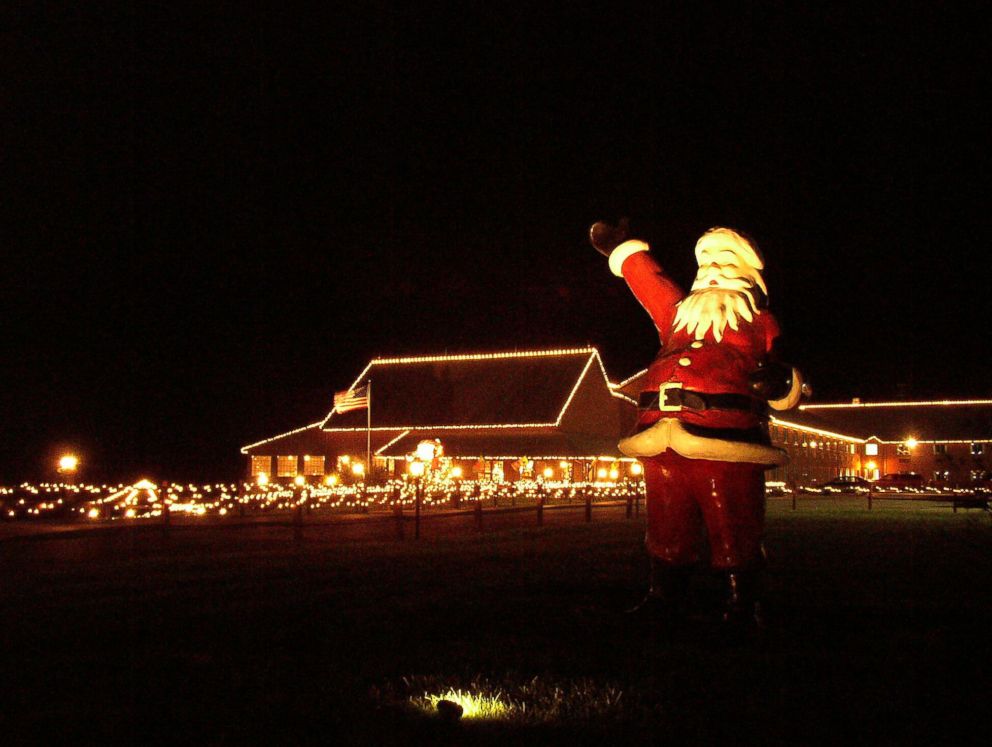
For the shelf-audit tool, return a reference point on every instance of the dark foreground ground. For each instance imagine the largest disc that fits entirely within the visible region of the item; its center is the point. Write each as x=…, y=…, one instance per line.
x=881, y=634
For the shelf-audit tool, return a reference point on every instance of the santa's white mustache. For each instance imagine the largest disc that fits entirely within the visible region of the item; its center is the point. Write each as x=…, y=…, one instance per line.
x=714, y=308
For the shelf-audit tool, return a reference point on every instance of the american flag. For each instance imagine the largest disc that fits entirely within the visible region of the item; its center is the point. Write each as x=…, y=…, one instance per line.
x=353, y=399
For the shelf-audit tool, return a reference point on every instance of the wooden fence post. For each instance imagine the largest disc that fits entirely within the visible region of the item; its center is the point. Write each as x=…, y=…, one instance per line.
x=298, y=515
x=871, y=494
x=630, y=503
x=588, y=507
x=540, y=505
x=416, y=509
x=163, y=493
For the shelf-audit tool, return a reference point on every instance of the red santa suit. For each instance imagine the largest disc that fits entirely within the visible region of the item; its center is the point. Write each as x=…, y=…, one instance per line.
x=702, y=434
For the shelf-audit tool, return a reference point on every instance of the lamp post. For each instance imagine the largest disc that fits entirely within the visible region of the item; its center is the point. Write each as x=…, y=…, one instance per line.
x=68, y=464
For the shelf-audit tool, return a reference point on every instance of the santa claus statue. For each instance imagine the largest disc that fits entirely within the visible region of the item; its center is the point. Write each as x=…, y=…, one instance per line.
x=702, y=430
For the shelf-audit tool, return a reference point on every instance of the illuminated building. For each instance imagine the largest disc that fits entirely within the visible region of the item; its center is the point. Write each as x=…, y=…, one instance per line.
x=496, y=416
x=948, y=442
x=512, y=414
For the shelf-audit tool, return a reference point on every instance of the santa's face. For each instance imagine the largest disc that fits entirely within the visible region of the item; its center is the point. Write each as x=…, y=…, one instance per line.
x=719, y=267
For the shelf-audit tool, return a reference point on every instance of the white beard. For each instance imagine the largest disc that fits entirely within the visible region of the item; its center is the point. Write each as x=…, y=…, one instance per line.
x=714, y=308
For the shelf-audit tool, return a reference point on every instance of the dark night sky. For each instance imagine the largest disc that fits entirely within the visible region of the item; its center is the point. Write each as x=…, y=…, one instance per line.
x=213, y=219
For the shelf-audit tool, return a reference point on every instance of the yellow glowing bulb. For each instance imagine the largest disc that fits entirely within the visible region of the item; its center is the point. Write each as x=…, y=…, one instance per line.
x=456, y=472
x=601, y=473
x=299, y=481
x=636, y=468
x=345, y=459
x=331, y=480
x=416, y=468
x=911, y=442
x=94, y=513
x=68, y=463
x=614, y=474
x=548, y=473
x=262, y=479
x=871, y=465
x=425, y=450
x=358, y=469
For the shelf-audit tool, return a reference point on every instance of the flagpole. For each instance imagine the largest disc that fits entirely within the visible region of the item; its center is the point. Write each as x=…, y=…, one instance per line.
x=368, y=431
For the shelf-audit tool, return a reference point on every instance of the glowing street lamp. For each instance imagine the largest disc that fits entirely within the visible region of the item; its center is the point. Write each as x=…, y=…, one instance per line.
x=68, y=464
x=636, y=469
x=262, y=479
x=358, y=470
x=911, y=443
x=548, y=473
x=299, y=481
x=417, y=468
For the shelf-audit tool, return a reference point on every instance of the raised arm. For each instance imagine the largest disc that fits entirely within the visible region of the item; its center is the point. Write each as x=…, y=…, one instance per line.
x=632, y=260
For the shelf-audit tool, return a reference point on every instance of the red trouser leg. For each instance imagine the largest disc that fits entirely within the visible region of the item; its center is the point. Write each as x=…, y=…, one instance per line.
x=683, y=493
x=675, y=522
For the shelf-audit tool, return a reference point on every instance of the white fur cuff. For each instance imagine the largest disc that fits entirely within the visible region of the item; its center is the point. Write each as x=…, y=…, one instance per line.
x=619, y=255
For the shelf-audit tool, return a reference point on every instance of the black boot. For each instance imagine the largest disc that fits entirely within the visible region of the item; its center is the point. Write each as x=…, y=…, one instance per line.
x=667, y=589
x=743, y=615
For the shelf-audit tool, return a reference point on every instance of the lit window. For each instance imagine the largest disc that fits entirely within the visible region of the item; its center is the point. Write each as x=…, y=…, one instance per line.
x=285, y=466
x=871, y=449
x=940, y=448
x=261, y=465
x=977, y=449
x=313, y=465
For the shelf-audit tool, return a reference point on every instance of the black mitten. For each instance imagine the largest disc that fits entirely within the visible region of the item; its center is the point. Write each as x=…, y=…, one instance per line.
x=605, y=238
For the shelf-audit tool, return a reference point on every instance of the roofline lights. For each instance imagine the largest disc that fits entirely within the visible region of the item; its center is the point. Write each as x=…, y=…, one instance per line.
x=390, y=443
x=537, y=458
x=931, y=403
x=939, y=441
x=629, y=379
x=482, y=356
x=817, y=431
x=578, y=383
x=244, y=449
x=376, y=429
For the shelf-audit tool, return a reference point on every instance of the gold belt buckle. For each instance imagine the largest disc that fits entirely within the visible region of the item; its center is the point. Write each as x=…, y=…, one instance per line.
x=663, y=397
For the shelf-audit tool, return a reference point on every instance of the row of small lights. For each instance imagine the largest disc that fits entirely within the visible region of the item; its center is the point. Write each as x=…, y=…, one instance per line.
x=397, y=493
x=143, y=500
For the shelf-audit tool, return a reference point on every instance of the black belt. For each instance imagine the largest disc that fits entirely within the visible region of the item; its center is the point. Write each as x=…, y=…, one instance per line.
x=701, y=401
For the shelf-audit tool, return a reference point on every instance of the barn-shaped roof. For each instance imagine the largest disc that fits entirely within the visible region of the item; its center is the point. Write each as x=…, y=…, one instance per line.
x=530, y=388
x=540, y=402
x=927, y=421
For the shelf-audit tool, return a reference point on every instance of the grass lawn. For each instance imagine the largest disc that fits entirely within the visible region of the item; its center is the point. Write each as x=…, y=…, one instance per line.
x=880, y=634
